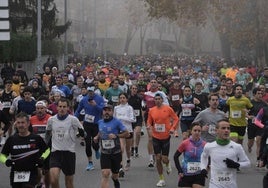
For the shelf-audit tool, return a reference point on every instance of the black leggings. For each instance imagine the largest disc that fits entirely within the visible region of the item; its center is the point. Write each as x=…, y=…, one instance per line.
x=265, y=181
x=91, y=130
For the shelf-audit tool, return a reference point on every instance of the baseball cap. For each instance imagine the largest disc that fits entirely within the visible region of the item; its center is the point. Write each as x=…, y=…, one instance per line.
x=91, y=88
x=40, y=103
x=108, y=106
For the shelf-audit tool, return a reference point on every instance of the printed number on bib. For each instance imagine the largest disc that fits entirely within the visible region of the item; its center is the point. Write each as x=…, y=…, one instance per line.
x=211, y=129
x=21, y=176
x=187, y=112
x=89, y=118
x=236, y=114
x=193, y=167
x=108, y=144
x=223, y=177
x=175, y=97
x=137, y=112
x=60, y=134
x=6, y=104
x=114, y=98
x=160, y=128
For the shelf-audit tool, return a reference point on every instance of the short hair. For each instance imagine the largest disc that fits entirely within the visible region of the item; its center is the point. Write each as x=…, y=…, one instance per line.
x=198, y=83
x=197, y=123
x=123, y=94
x=221, y=120
x=213, y=95
x=158, y=95
x=28, y=89
x=237, y=85
x=255, y=90
x=64, y=100
x=23, y=115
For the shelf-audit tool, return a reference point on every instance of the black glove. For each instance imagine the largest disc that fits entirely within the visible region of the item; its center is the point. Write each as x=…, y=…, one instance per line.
x=231, y=164
x=204, y=173
x=9, y=163
x=40, y=162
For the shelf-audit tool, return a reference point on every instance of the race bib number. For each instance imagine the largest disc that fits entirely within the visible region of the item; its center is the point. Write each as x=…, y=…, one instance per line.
x=89, y=118
x=60, y=134
x=160, y=128
x=214, y=86
x=187, y=112
x=266, y=85
x=223, y=177
x=6, y=104
x=23, y=176
x=137, y=112
x=108, y=144
x=242, y=82
x=175, y=97
x=193, y=167
x=236, y=114
x=114, y=98
x=211, y=129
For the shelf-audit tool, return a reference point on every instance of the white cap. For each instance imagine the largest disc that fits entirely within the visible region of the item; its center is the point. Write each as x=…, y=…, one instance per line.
x=40, y=103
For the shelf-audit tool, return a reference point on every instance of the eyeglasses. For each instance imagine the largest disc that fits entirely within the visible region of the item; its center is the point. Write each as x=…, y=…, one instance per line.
x=157, y=99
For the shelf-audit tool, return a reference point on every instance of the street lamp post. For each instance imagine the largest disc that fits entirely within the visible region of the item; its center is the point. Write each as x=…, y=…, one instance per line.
x=65, y=35
x=39, y=34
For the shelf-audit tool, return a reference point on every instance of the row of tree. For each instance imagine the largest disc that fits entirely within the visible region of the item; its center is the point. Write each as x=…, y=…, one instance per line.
x=242, y=25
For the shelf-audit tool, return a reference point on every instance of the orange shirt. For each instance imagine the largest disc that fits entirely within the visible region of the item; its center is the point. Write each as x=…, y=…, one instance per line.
x=39, y=126
x=160, y=120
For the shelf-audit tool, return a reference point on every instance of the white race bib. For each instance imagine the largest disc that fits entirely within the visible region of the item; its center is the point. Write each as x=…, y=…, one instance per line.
x=23, y=176
x=236, y=114
x=175, y=97
x=108, y=144
x=60, y=134
x=266, y=85
x=89, y=118
x=212, y=129
x=223, y=177
x=186, y=112
x=242, y=82
x=6, y=104
x=193, y=167
x=137, y=112
x=160, y=128
x=114, y=98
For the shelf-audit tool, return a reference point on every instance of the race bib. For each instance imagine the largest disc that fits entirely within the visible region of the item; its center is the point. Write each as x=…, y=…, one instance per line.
x=193, y=167
x=212, y=129
x=175, y=97
x=23, y=176
x=60, y=134
x=137, y=112
x=187, y=112
x=214, y=86
x=223, y=177
x=6, y=104
x=160, y=128
x=108, y=144
x=89, y=118
x=242, y=82
x=114, y=98
x=236, y=114
x=266, y=85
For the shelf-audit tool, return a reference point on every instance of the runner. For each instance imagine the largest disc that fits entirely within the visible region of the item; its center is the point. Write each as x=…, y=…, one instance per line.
x=62, y=129
x=190, y=171
x=125, y=113
x=158, y=125
x=238, y=109
x=110, y=130
x=226, y=158
x=92, y=104
x=27, y=152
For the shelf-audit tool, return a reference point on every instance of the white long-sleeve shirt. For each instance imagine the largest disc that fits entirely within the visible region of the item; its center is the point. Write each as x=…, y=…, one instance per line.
x=221, y=176
x=125, y=113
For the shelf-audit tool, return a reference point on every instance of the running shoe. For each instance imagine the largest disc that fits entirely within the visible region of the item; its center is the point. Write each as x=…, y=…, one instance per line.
x=257, y=163
x=249, y=149
x=168, y=168
x=151, y=164
x=97, y=155
x=121, y=173
x=161, y=183
x=136, y=155
x=90, y=167
x=127, y=165
x=142, y=132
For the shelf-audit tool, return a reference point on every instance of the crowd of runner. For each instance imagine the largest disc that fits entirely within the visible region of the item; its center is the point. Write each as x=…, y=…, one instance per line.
x=212, y=103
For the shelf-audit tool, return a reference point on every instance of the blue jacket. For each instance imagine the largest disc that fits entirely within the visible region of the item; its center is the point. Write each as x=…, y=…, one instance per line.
x=95, y=111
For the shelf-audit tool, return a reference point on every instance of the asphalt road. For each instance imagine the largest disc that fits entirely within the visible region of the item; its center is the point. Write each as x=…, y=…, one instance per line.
x=139, y=175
